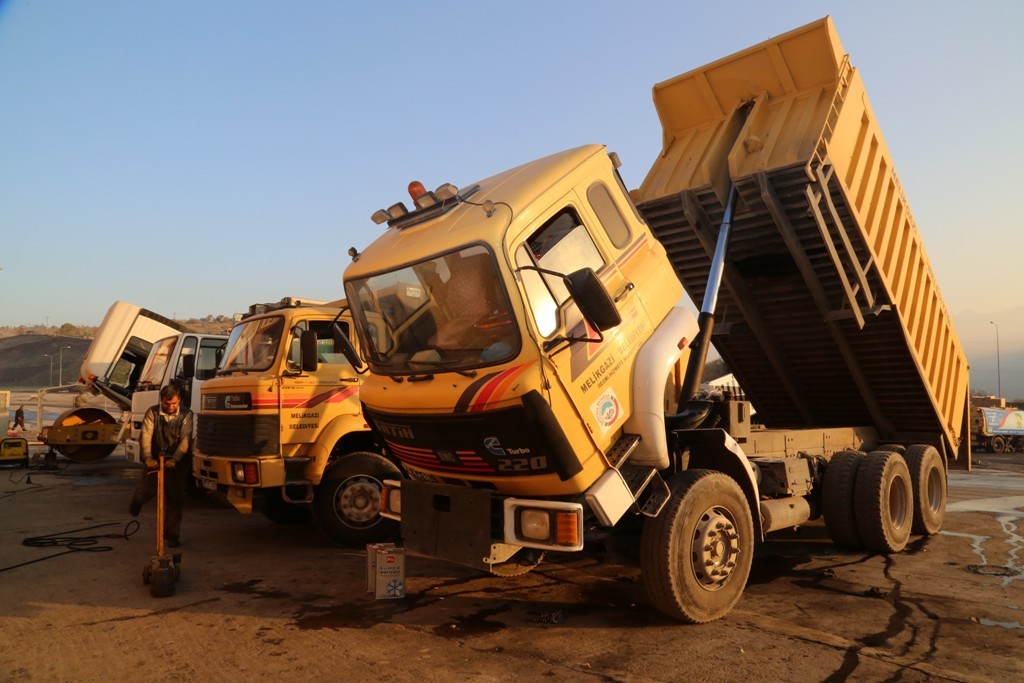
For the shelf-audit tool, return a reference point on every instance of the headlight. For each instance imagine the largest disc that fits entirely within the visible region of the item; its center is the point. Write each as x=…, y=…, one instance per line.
x=391, y=499
x=535, y=524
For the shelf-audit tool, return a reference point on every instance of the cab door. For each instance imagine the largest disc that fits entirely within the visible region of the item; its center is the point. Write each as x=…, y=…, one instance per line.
x=592, y=368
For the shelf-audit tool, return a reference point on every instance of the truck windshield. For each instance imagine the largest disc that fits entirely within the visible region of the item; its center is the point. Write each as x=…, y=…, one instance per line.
x=447, y=313
x=253, y=345
x=156, y=365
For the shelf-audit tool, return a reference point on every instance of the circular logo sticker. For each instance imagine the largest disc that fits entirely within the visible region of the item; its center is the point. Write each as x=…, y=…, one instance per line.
x=606, y=410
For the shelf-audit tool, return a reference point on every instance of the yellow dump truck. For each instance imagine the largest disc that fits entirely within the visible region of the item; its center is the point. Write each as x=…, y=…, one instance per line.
x=280, y=425
x=525, y=334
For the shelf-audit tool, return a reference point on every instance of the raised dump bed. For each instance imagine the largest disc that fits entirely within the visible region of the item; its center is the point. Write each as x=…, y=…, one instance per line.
x=829, y=314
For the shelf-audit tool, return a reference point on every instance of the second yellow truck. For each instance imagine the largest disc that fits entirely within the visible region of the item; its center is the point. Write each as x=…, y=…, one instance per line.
x=280, y=427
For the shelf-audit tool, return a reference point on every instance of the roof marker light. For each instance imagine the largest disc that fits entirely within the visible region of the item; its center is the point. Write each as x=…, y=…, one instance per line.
x=426, y=199
x=380, y=216
x=446, y=191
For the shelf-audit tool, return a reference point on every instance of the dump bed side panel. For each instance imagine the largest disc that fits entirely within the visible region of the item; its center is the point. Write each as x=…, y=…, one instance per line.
x=830, y=313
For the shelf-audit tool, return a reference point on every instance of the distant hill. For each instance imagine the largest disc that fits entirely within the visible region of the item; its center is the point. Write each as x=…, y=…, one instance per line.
x=26, y=360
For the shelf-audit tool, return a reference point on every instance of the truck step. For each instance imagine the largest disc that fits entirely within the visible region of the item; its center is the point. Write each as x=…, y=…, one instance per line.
x=622, y=449
x=294, y=467
x=297, y=492
x=654, y=497
x=650, y=492
x=637, y=477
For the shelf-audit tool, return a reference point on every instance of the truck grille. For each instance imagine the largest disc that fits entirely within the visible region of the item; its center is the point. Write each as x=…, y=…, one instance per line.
x=238, y=435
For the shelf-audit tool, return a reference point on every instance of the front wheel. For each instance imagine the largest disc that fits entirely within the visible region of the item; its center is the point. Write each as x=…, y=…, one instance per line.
x=696, y=554
x=347, y=503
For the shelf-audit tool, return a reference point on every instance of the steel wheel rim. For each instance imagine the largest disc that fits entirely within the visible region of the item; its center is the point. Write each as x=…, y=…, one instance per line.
x=715, y=548
x=899, y=504
x=933, y=490
x=358, y=500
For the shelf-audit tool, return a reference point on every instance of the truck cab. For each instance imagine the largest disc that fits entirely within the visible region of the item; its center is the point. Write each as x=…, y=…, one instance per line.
x=185, y=360
x=502, y=349
x=280, y=426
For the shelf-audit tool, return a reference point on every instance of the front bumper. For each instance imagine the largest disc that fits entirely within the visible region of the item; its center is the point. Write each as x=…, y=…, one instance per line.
x=236, y=479
x=479, y=528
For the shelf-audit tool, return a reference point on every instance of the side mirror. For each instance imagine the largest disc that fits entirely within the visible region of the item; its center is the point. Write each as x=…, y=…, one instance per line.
x=308, y=351
x=342, y=342
x=188, y=367
x=593, y=299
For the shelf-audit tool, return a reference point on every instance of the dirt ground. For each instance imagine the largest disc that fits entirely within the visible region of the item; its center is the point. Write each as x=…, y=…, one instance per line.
x=256, y=599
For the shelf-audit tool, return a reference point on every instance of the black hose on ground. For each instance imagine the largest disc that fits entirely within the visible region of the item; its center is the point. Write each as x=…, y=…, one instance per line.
x=74, y=544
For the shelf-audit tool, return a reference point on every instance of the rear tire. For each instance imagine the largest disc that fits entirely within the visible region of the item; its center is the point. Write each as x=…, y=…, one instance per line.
x=838, y=499
x=884, y=505
x=928, y=478
x=997, y=444
x=696, y=554
x=346, y=504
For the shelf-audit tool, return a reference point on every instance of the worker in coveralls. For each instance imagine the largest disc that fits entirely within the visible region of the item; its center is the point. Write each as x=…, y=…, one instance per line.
x=167, y=431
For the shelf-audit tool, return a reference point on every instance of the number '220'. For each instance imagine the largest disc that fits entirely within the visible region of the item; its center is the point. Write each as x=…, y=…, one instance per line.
x=537, y=462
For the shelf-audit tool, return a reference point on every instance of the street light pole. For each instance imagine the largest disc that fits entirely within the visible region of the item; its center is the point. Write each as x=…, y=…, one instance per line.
x=60, y=371
x=999, y=374
x=50, y=356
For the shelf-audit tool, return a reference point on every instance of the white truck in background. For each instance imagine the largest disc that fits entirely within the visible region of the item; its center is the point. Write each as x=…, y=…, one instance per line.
x=112, y=368
x=186, y=360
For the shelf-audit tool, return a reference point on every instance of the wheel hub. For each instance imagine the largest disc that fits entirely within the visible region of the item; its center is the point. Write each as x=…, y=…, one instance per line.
x=715, y=547
x=359, y=500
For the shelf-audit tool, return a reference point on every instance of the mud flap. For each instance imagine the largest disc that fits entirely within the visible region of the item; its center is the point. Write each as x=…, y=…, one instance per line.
x=447, y=522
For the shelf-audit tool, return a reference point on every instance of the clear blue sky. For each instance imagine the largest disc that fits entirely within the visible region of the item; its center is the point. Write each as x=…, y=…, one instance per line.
x=196, y=157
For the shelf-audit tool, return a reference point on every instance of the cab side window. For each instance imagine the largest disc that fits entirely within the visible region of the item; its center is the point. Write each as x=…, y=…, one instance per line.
x=608, y=214
x=326, y=353
x=562, y=245
x=188, y=348
x=211, y=351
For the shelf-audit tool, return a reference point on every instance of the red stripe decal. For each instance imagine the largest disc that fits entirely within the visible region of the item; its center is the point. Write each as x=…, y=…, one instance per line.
x=488, y=390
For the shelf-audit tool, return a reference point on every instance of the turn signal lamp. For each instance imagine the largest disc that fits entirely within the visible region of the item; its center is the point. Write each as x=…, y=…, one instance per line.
x=567, y=528
x=245, y=473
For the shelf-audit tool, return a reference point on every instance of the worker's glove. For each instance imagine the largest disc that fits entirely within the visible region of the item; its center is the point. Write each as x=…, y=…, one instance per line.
x=170, y=463
x=151, y=464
